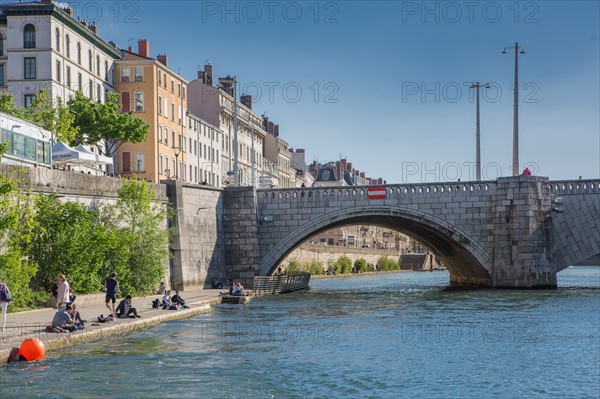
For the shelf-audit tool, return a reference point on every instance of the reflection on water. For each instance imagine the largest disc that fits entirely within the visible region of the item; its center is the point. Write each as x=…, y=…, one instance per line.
x=392, y=335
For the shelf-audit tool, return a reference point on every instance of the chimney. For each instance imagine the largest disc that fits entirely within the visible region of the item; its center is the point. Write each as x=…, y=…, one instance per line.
x=144, y=48
x=349, y=167
x=246, y=99
x=276, y=130
x=163, y=59
x=201, y=76
x=362, y=174
x=94, y=28
x=68, y=11
x=343, y=164
x=208, y=74
x=271, y=128
x=266, y=124
x=130, y=48
x=300, y=150
x=226, y=84
x=84, y=23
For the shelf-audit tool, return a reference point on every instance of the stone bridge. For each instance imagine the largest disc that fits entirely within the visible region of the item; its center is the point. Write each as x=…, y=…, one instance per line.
x=499, y=233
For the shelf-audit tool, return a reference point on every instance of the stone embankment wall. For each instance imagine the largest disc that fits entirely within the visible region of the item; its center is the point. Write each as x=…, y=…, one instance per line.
x=314, y=252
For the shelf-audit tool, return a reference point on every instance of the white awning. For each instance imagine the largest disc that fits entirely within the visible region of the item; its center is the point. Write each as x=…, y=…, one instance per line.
x=62, y=154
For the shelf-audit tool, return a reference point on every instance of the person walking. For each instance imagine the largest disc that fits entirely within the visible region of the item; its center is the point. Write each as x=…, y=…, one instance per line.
x=64, y=292
x=5, y=300
x=112, y=287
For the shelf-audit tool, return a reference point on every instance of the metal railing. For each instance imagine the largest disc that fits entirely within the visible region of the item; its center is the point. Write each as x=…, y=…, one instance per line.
x=280, y=284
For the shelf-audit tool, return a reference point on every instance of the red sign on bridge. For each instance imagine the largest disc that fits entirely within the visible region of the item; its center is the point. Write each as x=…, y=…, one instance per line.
x=377, y=193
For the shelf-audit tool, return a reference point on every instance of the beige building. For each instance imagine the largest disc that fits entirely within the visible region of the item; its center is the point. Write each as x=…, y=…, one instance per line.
x=158, y=95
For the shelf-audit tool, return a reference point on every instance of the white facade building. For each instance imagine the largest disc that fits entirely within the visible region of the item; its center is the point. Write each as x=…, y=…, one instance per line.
x=42, y=46
x=203, y=152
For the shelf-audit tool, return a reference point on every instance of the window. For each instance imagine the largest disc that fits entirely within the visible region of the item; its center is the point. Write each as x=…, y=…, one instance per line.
x=106, y=71
x=191, y=175
x=29, y=36
x=99, y=92
x=68, y=77
x=1, y=74
x=139, y=101
x=172, y=86
x=166, y=109
x=166, y=170
x=91, y=90
x=125, y=74
x=159, y=79
x=166, y=136
x=179, y=89
x=159, y=105
x=173, y=170
x=68, y=46
x=28, y=100
x=139, y=74
x=30, y=71
x=58, y=71
x=173, y=137
x=79, y=53
x=179, y=113
x=190, y=148
x=183, y=92
x=125, y=101
x=139, y=162
x=159, y=135
x=180, y=143
x=90, y=61
x=160, y=164
x=1, y=45
x=126, y=162
x=195, y=147
x=172, y=111
x=79, y=83
x=57, y=40
x=98, y=65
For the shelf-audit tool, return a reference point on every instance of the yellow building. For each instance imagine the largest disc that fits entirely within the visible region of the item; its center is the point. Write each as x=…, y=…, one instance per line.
x=157, y=95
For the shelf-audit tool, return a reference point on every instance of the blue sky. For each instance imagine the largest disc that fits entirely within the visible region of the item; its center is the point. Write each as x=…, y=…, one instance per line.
x=386, y=84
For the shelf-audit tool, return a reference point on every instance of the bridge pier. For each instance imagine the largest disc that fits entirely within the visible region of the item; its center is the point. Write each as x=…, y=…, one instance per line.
x=521, y=239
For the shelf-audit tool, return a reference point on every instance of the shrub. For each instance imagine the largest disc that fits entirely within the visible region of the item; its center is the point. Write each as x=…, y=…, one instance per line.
x=360, y=265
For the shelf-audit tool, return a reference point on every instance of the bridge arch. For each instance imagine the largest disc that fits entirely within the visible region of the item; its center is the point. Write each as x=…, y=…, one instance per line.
x=466, y=259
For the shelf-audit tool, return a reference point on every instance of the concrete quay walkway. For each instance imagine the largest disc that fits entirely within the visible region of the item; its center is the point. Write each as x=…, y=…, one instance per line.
x=31, y=324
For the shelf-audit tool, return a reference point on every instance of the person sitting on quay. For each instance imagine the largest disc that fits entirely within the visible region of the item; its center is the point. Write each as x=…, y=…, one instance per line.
x=178, y=301
x=77, y=321
x=126, y=310
x=167, y=304
x=62, y=321
x=161, y=288
x=238, y=290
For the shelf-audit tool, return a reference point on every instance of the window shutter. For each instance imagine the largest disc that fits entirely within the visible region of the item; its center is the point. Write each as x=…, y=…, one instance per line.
x=125, y=101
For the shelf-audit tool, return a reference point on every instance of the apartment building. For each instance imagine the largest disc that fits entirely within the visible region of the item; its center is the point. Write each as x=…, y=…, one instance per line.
x=43, y=46
x=204, y=152
x=217, y=106
x=157, y=95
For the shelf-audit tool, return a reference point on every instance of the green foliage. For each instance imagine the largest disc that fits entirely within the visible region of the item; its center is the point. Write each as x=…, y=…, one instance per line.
x=55, y=118
x=72, y=243
x=360, y=265
x=344, y=265
x=8, y=106
x=313, y=267
x=97, y=122
x=147, y=242
x=17, y=227
x=387, y=264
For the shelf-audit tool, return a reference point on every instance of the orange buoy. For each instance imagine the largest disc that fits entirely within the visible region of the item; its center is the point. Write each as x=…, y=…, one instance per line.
x=32, y=349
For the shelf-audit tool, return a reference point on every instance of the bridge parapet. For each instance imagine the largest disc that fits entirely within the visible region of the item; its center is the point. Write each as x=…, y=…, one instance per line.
x=566, y=187
x=393, y=191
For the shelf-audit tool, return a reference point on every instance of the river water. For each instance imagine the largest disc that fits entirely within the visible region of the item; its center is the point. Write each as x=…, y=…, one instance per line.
x=395, y=335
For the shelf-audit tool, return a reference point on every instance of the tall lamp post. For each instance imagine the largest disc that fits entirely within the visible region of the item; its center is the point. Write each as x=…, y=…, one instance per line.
x=476, y=85
x=515, y=164
x=177, y=152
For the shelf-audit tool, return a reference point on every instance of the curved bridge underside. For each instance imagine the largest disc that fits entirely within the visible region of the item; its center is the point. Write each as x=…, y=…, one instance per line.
x=465, y=259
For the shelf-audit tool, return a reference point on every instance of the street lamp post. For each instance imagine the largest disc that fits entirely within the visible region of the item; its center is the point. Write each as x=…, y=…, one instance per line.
x=476, y=85
x=515, y=164
x=177, y=151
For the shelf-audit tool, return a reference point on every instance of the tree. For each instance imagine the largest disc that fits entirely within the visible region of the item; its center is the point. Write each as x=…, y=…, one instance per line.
x=100, y=124
x=360, y=265
x=145, y=235
x=72, y=242
x=55, y=118
x=17, y=227
x=8, y=106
